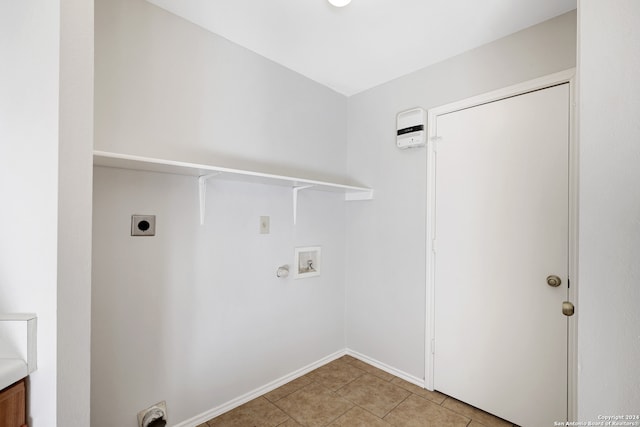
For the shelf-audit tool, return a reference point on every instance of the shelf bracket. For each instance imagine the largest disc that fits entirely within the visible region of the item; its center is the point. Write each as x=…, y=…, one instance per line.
x=295, y=200
x=202, y=189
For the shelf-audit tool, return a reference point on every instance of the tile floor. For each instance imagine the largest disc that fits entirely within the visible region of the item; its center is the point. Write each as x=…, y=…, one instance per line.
x=348, y=392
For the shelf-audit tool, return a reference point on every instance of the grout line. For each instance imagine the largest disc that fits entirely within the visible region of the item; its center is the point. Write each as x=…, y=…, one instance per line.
x=330, y=421
x=366, y=410
x=287, y=420
x=399, y=403
x=473, y=407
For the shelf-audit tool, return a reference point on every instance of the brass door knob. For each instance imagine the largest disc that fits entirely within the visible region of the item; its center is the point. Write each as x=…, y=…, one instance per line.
x=554, y=281
x=568, y=309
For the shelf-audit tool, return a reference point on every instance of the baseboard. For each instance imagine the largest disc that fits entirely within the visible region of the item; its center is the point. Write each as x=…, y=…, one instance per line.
x=225, y=407
x=393, y=371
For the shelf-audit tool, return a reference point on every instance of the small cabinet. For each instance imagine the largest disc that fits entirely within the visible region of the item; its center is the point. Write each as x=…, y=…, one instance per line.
x=13, y=405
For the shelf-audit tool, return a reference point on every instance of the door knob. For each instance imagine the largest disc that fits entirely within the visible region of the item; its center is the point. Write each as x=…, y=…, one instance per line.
x=567, y=308
x=554, y=281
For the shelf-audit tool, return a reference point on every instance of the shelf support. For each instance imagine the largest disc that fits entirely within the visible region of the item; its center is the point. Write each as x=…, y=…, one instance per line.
x=295, y=200
x=202, y=190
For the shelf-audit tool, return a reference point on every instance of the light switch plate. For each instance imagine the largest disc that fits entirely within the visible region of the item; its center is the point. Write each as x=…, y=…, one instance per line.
x=264, y=225
x=143, y=225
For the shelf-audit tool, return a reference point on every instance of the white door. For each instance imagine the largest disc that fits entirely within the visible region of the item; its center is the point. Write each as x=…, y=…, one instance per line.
x=501, y=227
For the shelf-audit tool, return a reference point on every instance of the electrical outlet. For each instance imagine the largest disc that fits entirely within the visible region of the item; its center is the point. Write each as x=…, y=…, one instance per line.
x=143, y=225
x=264, y=225
x=155, y=415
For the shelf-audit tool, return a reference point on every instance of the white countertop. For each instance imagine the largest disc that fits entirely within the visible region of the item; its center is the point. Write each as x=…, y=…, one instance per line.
x=12, y=370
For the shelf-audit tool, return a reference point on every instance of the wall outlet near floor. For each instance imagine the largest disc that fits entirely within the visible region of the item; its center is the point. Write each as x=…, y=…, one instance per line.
x=153, y=416
x=143, y=225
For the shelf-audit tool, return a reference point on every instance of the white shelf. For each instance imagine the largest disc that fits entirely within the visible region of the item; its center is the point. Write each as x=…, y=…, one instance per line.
x=204, y=172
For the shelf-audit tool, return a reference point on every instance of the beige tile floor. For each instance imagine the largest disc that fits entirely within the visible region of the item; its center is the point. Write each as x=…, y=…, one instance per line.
x=350, y=393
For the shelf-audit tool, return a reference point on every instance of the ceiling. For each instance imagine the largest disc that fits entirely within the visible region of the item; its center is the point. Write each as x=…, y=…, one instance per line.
x=368, y=42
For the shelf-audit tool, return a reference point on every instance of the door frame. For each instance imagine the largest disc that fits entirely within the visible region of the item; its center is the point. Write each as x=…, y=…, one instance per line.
x=566, y=76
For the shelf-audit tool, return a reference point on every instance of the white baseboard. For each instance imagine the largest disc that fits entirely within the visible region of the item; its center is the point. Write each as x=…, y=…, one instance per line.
x=393, y=371
x=225, y=407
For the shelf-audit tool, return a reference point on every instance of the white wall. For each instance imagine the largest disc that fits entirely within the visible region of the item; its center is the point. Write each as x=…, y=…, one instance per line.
x=45, y=184
x=609, y=290
x=29, y=45
x=169, y=89
x=386, y=238
x=74, y=212
x=196, y=316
